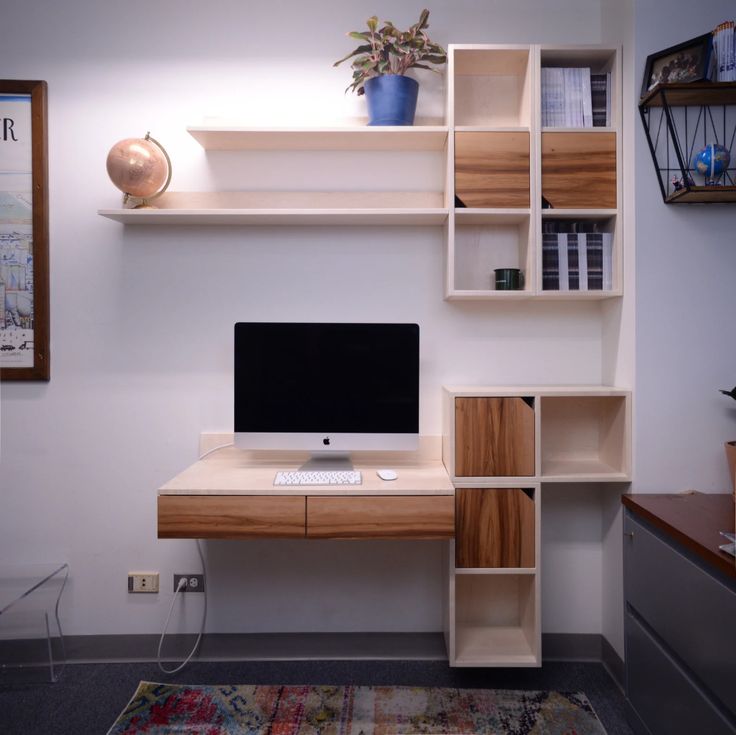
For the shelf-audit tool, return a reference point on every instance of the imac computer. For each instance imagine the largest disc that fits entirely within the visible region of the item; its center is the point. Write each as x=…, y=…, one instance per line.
x=327, y=388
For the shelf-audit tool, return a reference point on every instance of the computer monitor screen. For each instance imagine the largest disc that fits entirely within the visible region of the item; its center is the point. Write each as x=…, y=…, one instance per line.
x=326, y=387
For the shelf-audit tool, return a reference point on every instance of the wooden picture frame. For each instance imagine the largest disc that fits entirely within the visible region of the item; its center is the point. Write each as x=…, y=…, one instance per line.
x=686, y=62
x=24, y=231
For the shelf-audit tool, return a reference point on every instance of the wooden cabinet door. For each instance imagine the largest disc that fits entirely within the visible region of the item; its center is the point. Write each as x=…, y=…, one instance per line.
x=492, y=169
x=494, y=527
x=579, y=170
x=494, y=437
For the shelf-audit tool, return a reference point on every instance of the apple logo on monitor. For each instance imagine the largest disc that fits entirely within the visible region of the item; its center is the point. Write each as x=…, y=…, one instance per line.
x=326, y=441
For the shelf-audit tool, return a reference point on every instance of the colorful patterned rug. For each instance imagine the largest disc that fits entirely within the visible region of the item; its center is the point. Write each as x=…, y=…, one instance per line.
x=156, y=709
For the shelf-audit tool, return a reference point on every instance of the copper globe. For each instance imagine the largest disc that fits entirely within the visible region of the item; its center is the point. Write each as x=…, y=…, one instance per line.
x=139, y=167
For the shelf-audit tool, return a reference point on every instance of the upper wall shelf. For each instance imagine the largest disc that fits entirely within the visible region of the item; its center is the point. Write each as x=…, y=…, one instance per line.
x=359, y=138
x=288, y=208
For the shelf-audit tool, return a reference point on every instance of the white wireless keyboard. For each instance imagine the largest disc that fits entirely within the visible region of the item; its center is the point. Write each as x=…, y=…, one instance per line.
x=309, y=477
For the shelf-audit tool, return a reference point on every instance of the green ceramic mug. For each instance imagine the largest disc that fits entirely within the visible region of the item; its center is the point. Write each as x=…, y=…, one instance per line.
x=509, y=279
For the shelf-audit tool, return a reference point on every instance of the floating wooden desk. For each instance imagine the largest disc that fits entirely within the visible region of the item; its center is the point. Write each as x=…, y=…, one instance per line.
x=231, y=495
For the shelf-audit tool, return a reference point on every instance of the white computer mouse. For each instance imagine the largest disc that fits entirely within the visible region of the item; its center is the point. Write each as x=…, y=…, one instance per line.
x=387, y=474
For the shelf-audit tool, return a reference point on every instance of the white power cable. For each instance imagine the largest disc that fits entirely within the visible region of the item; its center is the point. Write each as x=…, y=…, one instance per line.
x=214, y=449
x=180, y=586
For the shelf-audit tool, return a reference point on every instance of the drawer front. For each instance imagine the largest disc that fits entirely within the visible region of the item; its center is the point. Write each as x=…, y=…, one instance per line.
x=664, y=697
x=691, y=611
x=230, y=516
x=494, y=527
x=409, y=517
x=494, y=437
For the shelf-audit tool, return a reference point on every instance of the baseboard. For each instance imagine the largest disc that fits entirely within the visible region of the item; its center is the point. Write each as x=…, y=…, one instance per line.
x=613, y=662
x=302, y=646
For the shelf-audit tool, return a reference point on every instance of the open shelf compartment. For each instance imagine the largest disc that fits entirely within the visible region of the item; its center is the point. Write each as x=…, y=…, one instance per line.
x=496, y=620
x=585, y=438
x=603, y=253
x=484, y=240
x=598, y=60
x=492, y=86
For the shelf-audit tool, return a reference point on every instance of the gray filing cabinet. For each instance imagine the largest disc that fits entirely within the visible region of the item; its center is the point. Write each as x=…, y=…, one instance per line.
x=680, y=617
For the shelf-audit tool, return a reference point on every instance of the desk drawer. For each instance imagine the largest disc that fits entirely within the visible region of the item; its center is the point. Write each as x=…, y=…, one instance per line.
x=230, y=516
x=408, y=517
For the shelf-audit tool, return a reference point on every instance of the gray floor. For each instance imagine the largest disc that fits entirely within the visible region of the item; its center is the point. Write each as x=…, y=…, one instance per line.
x=89, y=697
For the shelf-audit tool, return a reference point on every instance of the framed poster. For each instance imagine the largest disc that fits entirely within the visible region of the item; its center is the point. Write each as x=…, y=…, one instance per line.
x=24, y=232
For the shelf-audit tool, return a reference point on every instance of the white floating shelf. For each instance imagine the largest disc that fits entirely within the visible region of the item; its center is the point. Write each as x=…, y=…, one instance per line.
x=288, y=208
x=280, y=217
x=357, y=138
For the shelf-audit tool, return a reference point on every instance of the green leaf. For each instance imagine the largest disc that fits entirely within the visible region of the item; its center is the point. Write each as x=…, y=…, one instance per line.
x=360, y=36
x=372, y=23
x=359, y=50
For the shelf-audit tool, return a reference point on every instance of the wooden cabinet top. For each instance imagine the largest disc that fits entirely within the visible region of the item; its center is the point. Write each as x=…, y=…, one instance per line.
x=694, y=520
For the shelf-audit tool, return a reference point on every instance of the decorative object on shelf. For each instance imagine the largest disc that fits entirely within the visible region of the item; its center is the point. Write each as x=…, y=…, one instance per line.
x=140, y=168
x=24, y=232
x=382, y=60
x=686, y=62
x=712, y=162
x=508, y=279
x=678, y=119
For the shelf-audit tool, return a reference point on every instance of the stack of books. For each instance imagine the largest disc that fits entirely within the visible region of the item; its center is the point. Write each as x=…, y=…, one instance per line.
x=575, y=98
x=724, y=53
x=576, y=257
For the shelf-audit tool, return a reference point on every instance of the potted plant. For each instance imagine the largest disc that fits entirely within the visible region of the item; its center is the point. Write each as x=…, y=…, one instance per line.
x=380, y=65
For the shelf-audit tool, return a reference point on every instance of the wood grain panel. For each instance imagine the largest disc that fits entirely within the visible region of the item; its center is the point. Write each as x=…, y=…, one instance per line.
x=492, y=169
x=494, y=528
x=579, y=170
x=494, y=437
x=407, y=517
x=230, y=516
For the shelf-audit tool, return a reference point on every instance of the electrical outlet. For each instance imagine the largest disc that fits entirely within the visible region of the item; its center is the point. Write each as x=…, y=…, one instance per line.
x=194, y=582
x=142, y=581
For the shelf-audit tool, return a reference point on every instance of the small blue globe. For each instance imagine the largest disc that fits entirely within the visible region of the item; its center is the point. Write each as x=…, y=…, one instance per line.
x=712, y=161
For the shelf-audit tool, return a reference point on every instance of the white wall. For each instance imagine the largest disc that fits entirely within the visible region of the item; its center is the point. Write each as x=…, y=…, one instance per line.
x=685, y=333
x=142, y=317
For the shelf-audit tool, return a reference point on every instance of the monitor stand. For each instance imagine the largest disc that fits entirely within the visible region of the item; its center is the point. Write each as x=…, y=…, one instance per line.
x=328, y=462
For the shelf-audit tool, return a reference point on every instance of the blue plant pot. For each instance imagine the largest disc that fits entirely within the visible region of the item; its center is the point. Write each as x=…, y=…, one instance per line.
x=392, y=100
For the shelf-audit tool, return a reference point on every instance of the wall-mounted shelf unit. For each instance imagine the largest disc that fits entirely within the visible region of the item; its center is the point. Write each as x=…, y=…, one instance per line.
x=501, y=164
x=499, y=445
x=515, y=434
x=680, y=120
x=512, y=180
